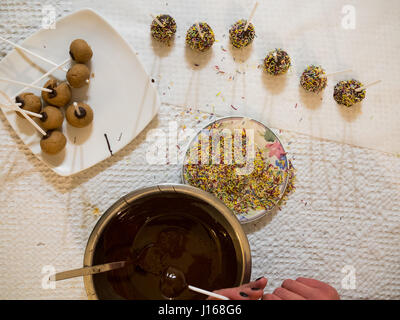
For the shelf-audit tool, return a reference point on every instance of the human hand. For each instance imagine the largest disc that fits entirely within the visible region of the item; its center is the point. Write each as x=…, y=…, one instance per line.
x=303, y=289
x=250, y=291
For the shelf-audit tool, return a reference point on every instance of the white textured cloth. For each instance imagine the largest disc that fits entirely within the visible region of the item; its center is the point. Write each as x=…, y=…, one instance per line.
x=345, y=211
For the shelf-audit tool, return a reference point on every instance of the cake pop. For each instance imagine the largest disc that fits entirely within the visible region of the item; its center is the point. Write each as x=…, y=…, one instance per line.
x=239, y=37
x=60, y=95
x=80, y=51
x=166, y=32
x=53, y=142
x=345, y=92
x=29, y=102
x=200, y=41
x=313, y=79
x=52, y=118
x=79, y=119
x=277, y=62
x=78, y=75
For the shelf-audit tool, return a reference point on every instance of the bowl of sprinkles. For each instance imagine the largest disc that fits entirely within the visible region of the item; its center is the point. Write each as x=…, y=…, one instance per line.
x=241, y=162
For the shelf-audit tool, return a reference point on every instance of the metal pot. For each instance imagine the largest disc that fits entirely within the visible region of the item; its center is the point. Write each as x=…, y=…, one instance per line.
x=222, y=214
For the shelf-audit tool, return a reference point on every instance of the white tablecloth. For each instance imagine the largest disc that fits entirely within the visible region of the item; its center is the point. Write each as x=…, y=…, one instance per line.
x=344, y=213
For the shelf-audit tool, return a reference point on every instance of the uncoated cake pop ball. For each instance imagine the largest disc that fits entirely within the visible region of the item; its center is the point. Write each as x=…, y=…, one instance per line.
x=52, y=118
x=195, y=41
x=60, y=95
x=345, y=92
x=29, y=102
x=239, y=37
x=313, y=79
x=277, y=62
x=78, y=75
x=53, y=142
x=165, y=33
x=83, y=119
x=80, y=51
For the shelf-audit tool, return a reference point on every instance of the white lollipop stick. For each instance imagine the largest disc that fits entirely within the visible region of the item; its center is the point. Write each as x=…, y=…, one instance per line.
x=156, y=20
x=335, y=73
x=208, y=293
x=77, y=108
x=34, y=114
x=275, y=57
x=368, y=85
x=32, y=53
x=251, y=16
x=25, y=84
x=24, y=114
x=43, y=76
x=199, y=31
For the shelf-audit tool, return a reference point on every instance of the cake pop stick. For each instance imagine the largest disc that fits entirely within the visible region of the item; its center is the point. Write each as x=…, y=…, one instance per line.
x=368, y=85
x=199, y=31
x=335, y=73
x=32, y=122
x=13, y=107
x=251, y=15
x=77, y=108
x=43, y=76
x=156, y=20
x=25, y=84
x=32, y=53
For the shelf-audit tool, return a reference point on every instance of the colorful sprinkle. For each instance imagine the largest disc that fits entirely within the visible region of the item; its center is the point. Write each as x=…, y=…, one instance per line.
x=277, y=62
x=345, y=92
x=166, y=33
x=313, y=79
x=239, y=37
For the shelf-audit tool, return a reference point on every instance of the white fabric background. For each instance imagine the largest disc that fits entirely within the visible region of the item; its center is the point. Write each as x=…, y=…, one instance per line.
x=345, y=210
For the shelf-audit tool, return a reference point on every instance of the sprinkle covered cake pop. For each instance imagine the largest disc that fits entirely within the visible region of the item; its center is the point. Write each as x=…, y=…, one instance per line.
x=240, y=37
x=200, y=41
x=80, y=51
x=166, y=32
x=53, y=142
x=52, y=118
x=78, y=75
x=277, y=62
x=313, y=79
x=79, y=114
x=345, y=92
x=60, y=95
x=29, y=102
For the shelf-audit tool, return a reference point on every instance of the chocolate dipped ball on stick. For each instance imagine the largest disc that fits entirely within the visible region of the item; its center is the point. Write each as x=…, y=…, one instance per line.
x=79, y=114
x=80, y=51
x=240, y=37
x=52, y=118
x=163, y=28
x=78, y=75
x=200, y=36
x=347, y=92
x=313, y=79
x=277, y=62
x=60, y=95
x=53, y=142
x=29, y=102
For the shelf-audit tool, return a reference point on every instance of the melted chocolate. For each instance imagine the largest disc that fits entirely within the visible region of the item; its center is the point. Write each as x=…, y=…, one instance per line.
x=53, y=92
x=72, y=56
x=44, y=116
x=18, y=99
x=161, y=232
x=82, y=112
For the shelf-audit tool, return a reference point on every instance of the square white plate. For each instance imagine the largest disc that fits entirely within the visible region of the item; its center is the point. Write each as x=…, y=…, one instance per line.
x=121, y=94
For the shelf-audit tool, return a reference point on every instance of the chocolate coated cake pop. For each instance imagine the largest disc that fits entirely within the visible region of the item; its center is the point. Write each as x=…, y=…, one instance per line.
x=165, y=33
x=84, y=118
x=29, y=102
x=78, y=75
x=345, y=92
x=60, y=95
x=195, y=41
x=277, y=62
x=313, y=79
x=53, y=142
x=239, y=37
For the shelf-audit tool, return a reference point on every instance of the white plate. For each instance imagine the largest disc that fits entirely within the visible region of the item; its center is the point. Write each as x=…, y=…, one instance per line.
x=121, y=93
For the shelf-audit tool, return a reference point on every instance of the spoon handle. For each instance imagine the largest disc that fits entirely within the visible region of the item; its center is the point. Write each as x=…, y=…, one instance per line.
x=87, y=271
x=208, y=293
